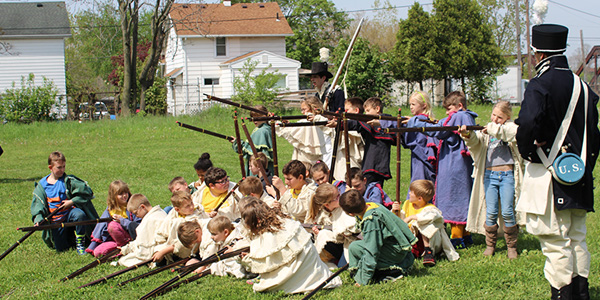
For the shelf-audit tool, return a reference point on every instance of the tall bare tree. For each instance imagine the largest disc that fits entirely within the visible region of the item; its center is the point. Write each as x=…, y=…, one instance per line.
x=129, y=12
x=159, y=26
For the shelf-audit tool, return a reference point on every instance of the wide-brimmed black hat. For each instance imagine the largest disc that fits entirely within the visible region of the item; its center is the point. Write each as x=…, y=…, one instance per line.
x=319, y=68
x=549, y=38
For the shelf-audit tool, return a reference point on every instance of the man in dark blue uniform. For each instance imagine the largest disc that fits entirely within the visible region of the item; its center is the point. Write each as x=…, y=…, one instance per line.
x=319, y=77
x=558, y=219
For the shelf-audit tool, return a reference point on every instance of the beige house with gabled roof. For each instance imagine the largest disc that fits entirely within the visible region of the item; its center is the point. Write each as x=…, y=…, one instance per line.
x=208, y=45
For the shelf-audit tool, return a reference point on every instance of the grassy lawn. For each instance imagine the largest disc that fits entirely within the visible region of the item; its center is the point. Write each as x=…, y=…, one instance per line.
x=148, y=152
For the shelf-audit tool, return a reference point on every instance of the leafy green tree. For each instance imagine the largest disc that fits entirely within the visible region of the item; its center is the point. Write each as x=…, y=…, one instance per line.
x=412, y=59
x=367, y=73
x=316, y=24
x=156, y=97
x=464, y=42
x=29, y=102
x=254, y=89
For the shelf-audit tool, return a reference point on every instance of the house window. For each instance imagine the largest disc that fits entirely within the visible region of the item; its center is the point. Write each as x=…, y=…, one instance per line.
x=211, y=81
x=282, y=82
x=221, y=46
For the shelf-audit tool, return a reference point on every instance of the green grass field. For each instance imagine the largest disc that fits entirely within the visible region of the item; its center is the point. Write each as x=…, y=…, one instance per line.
x=148, y=152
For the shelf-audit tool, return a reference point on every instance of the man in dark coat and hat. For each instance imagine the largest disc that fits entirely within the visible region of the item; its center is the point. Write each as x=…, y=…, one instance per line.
x=558, y=216
x=319, y=77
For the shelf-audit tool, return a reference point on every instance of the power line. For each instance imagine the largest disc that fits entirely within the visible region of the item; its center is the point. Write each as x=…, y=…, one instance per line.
x=575, y=9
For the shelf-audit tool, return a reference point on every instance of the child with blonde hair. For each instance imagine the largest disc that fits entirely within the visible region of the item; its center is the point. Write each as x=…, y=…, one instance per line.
x=281, y=251
x=142, y=248
x=325, y=210
x=426, y=222
x=311, y=143
x=497, y=174
x=423, y=148
x=108, y=236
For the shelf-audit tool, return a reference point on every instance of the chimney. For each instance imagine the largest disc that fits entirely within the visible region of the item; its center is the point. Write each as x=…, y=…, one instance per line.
x=226, y=3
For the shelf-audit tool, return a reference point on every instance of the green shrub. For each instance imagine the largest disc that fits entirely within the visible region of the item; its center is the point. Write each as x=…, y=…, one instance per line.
x=156, y=97
x=29, y=103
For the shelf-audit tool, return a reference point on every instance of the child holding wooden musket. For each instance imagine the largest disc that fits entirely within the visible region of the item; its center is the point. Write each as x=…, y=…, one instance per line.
x=142, y=248
x=497, y=177
x=108, y=236
x=166, y=236
x=69, y=194
x=224, y=234
x=294, y=201
x=423, y=148
x=376, y=160
x=261, y=137
x=455, y=167
x=251, y=186
x=384, y=253
x=281, y=251
x=426, y=222
x=311, y=143
x=216, y=189
x=325, y=210
x=357, y=146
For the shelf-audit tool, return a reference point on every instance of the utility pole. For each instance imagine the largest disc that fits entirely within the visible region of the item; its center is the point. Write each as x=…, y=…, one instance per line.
x=528, y=40
x=582, y=54
x=519, y=62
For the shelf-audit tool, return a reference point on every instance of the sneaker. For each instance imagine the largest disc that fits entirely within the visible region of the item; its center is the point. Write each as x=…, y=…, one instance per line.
x=428, y=258
x=458, y=243
x=391, y=278
x=80, y=245
x=468, y=240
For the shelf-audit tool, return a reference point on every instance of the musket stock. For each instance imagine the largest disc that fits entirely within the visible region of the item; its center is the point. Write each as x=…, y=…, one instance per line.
x=155, y=271
x=65, y=224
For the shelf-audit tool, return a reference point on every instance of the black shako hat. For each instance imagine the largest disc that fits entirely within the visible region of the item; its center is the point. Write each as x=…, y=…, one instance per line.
x=319, y=68
x=549, y=38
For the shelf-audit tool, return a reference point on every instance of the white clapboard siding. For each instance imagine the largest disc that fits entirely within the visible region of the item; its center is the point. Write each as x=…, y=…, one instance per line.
x=42, y=57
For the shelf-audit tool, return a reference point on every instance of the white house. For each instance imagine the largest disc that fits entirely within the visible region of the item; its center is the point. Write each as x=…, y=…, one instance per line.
x=208, y=45
x=32, y=40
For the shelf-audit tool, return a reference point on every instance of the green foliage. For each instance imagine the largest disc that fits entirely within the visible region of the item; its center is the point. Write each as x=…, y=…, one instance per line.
x=366, y=70
x=254, y=89
x=478, y=87
x=156, y=97
x=412, y=59
x=316, y=24
x=29, y=103
x=465, y=41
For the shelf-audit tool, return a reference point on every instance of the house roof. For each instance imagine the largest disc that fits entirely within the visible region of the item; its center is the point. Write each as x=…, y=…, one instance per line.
x=241, y=19
x=174, y=73
x=256, y=53
x=25, y=19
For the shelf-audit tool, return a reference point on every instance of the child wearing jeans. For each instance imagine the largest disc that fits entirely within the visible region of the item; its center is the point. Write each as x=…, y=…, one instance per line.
x=498, y=173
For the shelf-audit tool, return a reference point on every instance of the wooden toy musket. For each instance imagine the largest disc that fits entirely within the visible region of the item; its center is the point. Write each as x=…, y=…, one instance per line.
x=276, y=118
x=65, y=224
x=232, y=103
x=187, y=280
x=155, y=271
x=263, y=172
x=26, y=236
x=324, y=283
x=320, y=227
x=227, y=196
x=93, y=264
x=398, y=172
x=344, y=60
x=347, y=151
x=361, y=117
x=274, y=142
x=425, y=129
x=194, y=128
x=303, y=124
x=336, y=142
x=238, y=141
x=189, y=269
x=115, y=274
